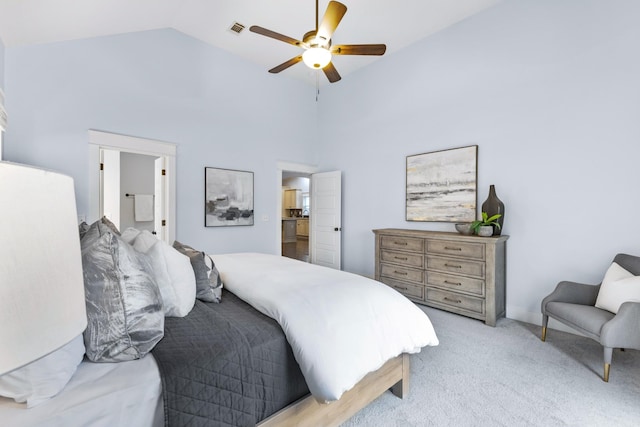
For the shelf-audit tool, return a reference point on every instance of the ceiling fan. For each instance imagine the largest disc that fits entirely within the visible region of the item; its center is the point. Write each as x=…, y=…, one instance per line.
x=317, y=43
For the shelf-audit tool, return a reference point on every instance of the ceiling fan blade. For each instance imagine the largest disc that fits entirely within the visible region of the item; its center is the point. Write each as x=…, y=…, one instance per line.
x=268, y=33
x=285, y=65
x=331, y=73
x=331, y=19
x=359, y=49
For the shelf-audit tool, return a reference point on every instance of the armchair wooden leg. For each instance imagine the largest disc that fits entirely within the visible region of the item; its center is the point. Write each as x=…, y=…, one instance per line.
x=608, y=354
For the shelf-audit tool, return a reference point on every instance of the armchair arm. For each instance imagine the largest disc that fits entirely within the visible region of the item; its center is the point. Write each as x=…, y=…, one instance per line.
x=572, y=292
x=623, y=331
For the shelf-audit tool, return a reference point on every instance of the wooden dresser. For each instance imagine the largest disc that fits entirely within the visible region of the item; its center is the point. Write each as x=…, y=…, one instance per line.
x=461, y=274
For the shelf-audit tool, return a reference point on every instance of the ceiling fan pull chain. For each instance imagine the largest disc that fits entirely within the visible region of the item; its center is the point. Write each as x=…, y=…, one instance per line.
x=317, y=84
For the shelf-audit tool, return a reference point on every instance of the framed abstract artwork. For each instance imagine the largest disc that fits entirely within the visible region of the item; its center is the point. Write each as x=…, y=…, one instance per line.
x=442, y=185
x=228, y=197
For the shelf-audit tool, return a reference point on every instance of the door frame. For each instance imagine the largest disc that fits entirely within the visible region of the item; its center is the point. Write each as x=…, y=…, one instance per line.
x=99, y=140
x=289, y=167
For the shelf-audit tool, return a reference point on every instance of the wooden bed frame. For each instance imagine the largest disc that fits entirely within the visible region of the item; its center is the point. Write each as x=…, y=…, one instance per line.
x=307, y=411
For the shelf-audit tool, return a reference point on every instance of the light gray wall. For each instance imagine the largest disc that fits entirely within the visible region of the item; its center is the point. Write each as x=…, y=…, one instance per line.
x=549, y=91
x=1, y=87
x=1, y=65
x=220, y=110
x=136, y=177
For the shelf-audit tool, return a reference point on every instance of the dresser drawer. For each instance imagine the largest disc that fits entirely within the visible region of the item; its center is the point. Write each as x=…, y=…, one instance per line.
x=402, y=243
x=456, y=266
x=404, y=258
x=461, y=249
x=402, y=273
x=452, y=299
x=456, y=283
x=408, y=289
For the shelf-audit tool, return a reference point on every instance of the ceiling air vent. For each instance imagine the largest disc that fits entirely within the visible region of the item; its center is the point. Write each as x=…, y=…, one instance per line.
x=236, y=28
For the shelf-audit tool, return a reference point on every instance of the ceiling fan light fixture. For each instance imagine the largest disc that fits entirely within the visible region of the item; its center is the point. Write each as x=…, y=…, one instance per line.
x=316, y=57
x=317, y=43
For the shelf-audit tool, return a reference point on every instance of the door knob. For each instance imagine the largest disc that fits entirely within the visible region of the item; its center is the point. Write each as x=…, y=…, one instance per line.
x=337, y=229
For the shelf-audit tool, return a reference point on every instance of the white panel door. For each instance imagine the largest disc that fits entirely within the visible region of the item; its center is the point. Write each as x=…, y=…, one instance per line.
x=110, y=185
x=159, y=216
x=326, y=219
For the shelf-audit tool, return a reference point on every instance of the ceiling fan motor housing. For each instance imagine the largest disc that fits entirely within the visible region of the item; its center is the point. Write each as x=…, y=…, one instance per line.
x=310, y=40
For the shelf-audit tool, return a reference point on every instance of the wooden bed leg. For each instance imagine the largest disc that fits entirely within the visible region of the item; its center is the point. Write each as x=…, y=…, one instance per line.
x=401, y=388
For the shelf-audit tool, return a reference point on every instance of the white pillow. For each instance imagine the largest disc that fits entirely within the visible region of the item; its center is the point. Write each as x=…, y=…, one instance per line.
x=173, y=273
x=129, y=235
x=143, y=240
x=39, y=381
x=618, y=286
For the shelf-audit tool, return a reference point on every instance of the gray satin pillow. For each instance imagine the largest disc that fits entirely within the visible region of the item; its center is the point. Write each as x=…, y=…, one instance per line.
x=83, y=227
x=110, y=224
x=208, y=282
x=124, y=307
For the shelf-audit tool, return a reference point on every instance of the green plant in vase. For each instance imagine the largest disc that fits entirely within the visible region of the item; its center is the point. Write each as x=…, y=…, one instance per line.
x=484, y=227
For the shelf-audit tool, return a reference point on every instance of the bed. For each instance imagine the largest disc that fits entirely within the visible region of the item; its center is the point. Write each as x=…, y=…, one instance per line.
x=333, y=368
x=203, y=362
x=289, y=343
x=130, y=393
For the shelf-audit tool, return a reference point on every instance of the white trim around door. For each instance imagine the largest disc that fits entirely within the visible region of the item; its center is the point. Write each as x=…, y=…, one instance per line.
x=99, y=140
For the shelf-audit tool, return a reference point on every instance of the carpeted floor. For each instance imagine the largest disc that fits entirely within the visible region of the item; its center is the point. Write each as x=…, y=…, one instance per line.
x=506, y=376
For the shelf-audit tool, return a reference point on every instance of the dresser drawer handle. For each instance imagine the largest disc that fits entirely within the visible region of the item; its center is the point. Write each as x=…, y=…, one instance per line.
x=449, y=248
x=401, y=287
x=400, y=243
x=401, y=258
x=403, y=273
x=457, y=301
x=453, y=283
x=453, y=266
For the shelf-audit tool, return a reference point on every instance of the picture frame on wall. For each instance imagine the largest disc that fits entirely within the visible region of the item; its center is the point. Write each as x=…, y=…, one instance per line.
x=228, y=197
x=442, y=185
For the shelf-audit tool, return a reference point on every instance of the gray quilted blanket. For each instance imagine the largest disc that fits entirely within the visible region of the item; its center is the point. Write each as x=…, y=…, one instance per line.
x=225, y=364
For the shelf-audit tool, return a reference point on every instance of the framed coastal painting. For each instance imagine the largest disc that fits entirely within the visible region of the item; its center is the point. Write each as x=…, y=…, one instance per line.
x=442, y=185
x=228, y=197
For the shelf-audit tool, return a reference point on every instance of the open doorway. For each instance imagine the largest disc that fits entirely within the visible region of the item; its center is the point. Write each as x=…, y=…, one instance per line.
x=295, y=215
x=106, y=150
x=325, y=212
x=132, y=184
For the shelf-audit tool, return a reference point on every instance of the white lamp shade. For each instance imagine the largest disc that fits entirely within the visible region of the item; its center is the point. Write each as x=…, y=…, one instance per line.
x=316, y=57
x=42, y=305
x=3, y=113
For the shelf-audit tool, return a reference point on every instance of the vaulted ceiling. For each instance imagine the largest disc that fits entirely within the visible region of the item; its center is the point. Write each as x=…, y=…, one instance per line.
x=396, y=23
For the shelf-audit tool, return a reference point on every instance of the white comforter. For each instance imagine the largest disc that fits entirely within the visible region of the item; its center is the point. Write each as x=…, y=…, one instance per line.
x=341, y=326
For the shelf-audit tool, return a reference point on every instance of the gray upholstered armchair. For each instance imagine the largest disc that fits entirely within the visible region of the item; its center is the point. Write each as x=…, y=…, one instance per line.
x=574, y=305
